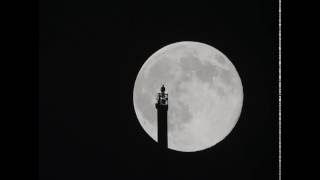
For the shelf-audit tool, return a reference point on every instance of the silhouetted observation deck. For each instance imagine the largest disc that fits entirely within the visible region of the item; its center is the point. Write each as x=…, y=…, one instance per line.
x=162, y=99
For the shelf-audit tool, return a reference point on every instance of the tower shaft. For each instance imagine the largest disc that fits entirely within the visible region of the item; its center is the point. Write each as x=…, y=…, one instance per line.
x=162, y=125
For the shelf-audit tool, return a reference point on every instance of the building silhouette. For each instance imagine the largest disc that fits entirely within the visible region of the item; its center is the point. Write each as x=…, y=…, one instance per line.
x=162, y=111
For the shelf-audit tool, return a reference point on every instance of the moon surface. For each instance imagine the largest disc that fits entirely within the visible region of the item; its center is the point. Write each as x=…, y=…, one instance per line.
x=205, y=95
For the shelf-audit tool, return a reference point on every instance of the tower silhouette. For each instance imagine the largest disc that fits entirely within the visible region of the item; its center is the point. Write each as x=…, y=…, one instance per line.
x=162, y=108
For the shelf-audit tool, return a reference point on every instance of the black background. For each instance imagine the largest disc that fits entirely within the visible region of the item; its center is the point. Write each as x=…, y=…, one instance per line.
x=89, y=56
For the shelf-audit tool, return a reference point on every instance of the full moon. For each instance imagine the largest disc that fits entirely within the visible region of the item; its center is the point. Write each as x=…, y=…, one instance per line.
x=205, y=95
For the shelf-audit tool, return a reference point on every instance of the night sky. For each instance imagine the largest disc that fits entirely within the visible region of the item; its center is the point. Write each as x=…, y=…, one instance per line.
x=89, y=56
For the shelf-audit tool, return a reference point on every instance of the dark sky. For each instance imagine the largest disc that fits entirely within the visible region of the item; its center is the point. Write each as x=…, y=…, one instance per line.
x=90, y=54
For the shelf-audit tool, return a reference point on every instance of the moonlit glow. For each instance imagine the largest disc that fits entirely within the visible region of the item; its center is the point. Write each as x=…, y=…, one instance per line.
x=205, y=95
